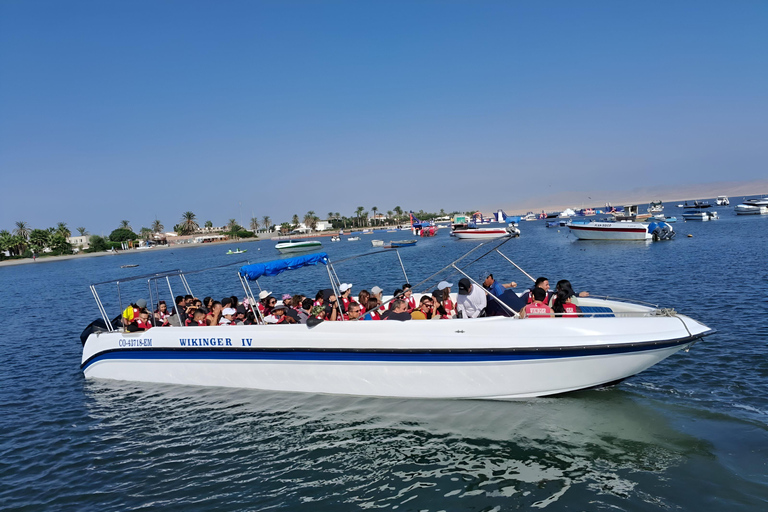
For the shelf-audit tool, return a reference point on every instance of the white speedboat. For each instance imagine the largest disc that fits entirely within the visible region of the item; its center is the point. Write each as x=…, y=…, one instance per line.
x=500, y=357
x=722, y=201
x=377, y=243
x=700, y=215
x=472, y=233
x=597, y=230
x=759, y=201
x=298, y=246
x=749, y=209
x=353, y=238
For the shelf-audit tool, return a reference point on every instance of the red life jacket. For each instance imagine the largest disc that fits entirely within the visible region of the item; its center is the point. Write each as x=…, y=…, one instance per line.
x=570, y=308
x=143, y=325
x=537, y=310
x=411, y=303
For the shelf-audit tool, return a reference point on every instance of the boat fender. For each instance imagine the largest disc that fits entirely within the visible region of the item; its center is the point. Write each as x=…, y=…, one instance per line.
x=313, y=321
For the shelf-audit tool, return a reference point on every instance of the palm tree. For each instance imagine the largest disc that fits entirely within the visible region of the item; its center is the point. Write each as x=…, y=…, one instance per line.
x=359, y=212
x=23, y=230
x=266, y=222
x=374, y=209
x=188, y=223
x=365, y=218
x=63, y=230
x=295, y=220
x=330, y=216
x=254, y=224
x=146, y=233
x=82, y=231
x=124, y=224
x=232, y=225
x=399, y=212
x=310, y=220
x=157, y=226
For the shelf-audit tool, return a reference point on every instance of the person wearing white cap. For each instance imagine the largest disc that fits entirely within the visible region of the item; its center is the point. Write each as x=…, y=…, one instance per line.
x=447, y=303
x=346, y=292
x=227, y=315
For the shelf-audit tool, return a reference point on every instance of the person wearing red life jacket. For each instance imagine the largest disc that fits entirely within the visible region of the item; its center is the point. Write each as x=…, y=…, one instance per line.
x=408, y=297
x=563, y=303
x=197, y=318
x=538, y=308
x=143, y=323
x=132, y=312
x=346, y=295
x=450, y=308
x=543, y=283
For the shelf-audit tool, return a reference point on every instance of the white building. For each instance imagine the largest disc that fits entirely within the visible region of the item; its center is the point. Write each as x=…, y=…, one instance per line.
x=78, y=243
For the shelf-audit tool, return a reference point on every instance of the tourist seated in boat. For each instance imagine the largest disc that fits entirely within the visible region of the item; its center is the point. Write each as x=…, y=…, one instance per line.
x=563, y=303
x=278, y=316
x=408, y=297
x=353, y=312
x=395, y=296
x=317, y=312
x=207, y=304
x=227, y=316
x=377, y=293
x=538, y=308
x=543, y=283
x=346, y=295
x=493, y=286
x=319, y=298
x=565, y=285
x=132, y=312
x=472, y=301
x=424, y=312
x=196, y=318
x=362, y=300
x=372, y=311
x=304, y=310
x=213, y=316
x=446, y=301
x=161, y=313
x=331, y=306
x=399, y=311
x=264, y=299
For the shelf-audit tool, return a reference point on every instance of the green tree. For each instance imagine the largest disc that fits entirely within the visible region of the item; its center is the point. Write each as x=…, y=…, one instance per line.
x=82, y=231
x=157, y=226
x=310, y=220
x=6, y=241
x=23, y=230
x=62, y=229
x=285, y=228
x=208, y=224
x=124, y=224
x=232, y=226
x=389, y=216
x=60, y=245
x=188, y=223
x=266, y=223
x=374, y=209
x=295, y=221
x=399, y=212
x=39, y=239
x=97, y=244
x=122, y=235
x=358, y=213
x=254, y=224
x=146, y=233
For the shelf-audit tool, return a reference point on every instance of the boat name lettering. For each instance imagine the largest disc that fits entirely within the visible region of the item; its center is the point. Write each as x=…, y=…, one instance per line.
x=205, y=342
x=140, y=342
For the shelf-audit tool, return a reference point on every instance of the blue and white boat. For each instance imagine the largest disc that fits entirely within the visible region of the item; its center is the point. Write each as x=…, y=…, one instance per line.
x=499, y=357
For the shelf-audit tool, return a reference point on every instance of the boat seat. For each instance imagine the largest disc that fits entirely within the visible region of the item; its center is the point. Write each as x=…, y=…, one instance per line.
x=597, y=309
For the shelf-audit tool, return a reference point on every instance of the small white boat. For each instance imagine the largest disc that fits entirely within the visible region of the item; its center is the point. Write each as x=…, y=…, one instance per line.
x=335, y=238
x=748, y=209
x=298, y=246
x=655, y=207
x=597, y=230
x=377, y=243
x=530, y=216
x=496, y=357
x=722, y=201
x=353, y=239
x=760, y=201
x=700, y=215
x=470, y=233
x=237, y=251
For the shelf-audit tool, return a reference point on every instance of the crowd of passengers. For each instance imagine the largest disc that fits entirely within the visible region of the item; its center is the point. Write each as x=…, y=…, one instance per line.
x=472, y=302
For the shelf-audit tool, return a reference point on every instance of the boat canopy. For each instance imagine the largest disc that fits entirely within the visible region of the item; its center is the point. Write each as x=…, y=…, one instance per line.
x=277, y=267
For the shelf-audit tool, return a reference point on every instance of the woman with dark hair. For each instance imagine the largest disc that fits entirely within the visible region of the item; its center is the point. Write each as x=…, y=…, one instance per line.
x=208, y=304
x=565, y=285
x=362, y=299
x=562, y=302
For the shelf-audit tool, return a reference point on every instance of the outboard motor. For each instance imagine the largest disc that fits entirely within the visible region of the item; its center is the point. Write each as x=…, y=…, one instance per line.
x=98, y=325
x=662, y=231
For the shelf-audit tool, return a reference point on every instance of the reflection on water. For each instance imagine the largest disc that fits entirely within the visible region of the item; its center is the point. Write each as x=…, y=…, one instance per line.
x=378, y=453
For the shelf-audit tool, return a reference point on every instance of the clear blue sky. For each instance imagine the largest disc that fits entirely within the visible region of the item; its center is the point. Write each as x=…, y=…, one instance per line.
x=139, y=109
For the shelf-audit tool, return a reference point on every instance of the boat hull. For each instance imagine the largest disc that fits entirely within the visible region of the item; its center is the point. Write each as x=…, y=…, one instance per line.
x=611, y=231
x=480, y=234
x=286, y=248
x=493, y=358
x=745, y=209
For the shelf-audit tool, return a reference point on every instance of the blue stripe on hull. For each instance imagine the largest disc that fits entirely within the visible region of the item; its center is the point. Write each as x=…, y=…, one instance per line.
x=362, y=355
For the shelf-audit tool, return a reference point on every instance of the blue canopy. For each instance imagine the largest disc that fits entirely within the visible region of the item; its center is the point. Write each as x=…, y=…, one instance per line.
x=277, y=267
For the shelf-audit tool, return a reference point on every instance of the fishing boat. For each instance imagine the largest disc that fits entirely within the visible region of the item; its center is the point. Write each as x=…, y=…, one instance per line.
x=597, y=230
x=749, y=209
x=377, y=243
x=630, y=212
x=237, y=251
x=495, y=357
x=402, y=243
x=298, y=246
x=700, y=215
x=474, y=233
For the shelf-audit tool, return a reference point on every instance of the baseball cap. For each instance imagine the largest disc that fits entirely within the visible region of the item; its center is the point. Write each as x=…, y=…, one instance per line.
x=464, y=286
x=376, y=290
x=442, y=285
x=228, y=311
